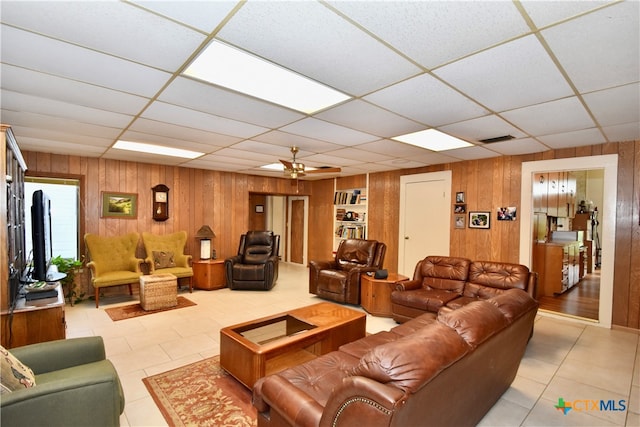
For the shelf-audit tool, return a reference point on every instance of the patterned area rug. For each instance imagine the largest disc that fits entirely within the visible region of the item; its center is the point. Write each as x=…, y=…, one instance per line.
x=202, y=394
x=135, y=310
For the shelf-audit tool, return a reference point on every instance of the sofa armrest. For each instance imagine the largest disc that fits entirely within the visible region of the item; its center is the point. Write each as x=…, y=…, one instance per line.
x=61, y=354
x=90, y=394
x=277, y=394
x=362, y=401
x=408, y=285
x=135, y=263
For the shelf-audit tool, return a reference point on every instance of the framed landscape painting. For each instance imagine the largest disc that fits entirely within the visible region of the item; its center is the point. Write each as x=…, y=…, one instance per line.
x=119, y=205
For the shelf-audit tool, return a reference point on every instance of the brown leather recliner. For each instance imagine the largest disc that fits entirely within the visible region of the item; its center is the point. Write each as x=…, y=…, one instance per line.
x=256, y=265
x=339, y=279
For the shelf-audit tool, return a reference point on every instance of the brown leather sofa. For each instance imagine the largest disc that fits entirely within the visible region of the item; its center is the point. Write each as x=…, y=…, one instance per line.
x=256, y=265
x=447, y=369
x=339, y=279
x=440, y=281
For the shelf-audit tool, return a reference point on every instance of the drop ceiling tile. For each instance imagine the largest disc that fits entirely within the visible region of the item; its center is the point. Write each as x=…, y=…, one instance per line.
x=246, y=157
x=34, y=52
x=224, y=103
x=625, y=132
x=366, y=117
x=491, y=126
x=612, y=38
x=417, y=162
x=195, y=119
x=470, y=153
x=116, y=28
x=433, y=158
x=168, y=142
x=319, y=129
x=358, y=154
x=58, y=147
x=573, y=139
x=286, y=139
x=214, y=164
x=19, y=102
x=560, y=116
x=69, y=91
x=392, y=148
x=544, y=13
x=203, y=15
x=55, y=138
x=615, y=106
x=509, y=76
x=56, y=124
x=433, y=33
x=310, y=39
x=234, y=161
x=182, y=133
x=516, y=147
x=318, y=160
x=427, y=100
x=261, y=148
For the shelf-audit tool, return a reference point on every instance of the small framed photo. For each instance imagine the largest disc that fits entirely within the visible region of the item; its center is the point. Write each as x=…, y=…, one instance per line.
x=259, y=208
x=119, y=205
x=479, y=219
x=460, y=197
x=459, y=221
x=507, y=214
x=459, y=208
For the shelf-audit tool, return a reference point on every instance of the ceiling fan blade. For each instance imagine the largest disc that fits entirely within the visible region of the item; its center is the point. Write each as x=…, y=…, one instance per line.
x=324, y=170
x=287, y=164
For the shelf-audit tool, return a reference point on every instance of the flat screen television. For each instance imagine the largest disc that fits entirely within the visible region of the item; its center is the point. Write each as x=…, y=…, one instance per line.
x=41, y=235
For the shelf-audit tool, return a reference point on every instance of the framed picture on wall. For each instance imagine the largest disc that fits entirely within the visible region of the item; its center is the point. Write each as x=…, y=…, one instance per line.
x=119, y=205
x=459, y=208
x=479, y=219
x=259, y=208
x=460, y=197
x=459, y=221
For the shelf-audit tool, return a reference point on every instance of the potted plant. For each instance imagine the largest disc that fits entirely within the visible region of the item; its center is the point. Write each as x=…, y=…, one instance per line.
x=69, y=266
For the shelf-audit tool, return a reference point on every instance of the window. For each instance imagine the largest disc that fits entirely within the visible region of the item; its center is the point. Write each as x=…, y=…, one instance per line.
x=64, y=195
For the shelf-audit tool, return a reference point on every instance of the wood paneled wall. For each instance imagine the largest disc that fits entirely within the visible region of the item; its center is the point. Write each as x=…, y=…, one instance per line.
x=221, y=200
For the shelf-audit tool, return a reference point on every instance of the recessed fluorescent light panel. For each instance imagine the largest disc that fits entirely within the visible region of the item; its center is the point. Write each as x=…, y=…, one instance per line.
x=235, y=69
x=432, y=139
x=156, y=149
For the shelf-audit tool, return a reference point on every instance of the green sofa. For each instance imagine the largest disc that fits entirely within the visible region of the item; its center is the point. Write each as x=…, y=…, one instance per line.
x=75, y=386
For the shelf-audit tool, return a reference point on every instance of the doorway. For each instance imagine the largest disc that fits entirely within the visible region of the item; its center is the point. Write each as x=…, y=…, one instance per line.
x=608, y=163
x=298, y=212
x=425, y=199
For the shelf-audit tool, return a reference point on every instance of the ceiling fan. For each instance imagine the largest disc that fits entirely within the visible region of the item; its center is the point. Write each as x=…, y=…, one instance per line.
x=296, y=170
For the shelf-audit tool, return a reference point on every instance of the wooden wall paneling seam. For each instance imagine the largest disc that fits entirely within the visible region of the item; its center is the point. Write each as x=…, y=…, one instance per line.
x=634, y=275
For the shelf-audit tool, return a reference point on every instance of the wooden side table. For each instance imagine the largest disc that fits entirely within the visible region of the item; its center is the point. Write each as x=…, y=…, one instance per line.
x=208, y=274
x=375, y=294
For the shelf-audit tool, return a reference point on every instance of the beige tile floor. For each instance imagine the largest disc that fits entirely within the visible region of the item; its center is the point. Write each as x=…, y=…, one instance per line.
x=576, y=361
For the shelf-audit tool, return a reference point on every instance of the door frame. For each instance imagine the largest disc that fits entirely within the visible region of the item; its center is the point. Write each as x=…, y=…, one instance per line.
x=305, y=238
x=609, y=163
x=445, y=176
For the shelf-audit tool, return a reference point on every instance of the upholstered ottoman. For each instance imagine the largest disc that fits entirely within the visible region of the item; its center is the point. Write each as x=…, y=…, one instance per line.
x=158, y=291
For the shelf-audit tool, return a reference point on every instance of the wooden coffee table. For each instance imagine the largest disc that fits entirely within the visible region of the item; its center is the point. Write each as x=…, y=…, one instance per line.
x=260, y=347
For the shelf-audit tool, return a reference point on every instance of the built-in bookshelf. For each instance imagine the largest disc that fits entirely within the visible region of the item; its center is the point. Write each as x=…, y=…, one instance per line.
x=350, y=215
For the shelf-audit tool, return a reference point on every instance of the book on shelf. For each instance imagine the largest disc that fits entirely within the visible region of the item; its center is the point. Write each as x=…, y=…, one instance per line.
x=351, y=232
x=354, y=197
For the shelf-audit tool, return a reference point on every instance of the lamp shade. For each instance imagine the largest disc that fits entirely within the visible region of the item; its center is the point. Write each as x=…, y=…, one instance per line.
x=205, y=232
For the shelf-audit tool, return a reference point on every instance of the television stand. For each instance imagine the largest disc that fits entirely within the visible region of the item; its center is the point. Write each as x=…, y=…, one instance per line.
x=34, y=321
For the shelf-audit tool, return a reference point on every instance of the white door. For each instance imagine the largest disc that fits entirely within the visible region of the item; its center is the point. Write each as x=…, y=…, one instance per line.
x=425, y=218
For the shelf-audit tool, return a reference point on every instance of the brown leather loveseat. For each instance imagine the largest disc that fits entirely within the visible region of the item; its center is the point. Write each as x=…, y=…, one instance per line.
x=444, y=370
x=442, y=281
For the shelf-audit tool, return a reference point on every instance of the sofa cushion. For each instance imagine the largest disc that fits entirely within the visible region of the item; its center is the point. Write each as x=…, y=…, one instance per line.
x=163, y=259
x=448, y=273
x=423, y=299
x=475, y=322
x=513, y=303
x=487, y=279
x=412, y=361
x=360, y=347
x=14, y=375
x=414, y=324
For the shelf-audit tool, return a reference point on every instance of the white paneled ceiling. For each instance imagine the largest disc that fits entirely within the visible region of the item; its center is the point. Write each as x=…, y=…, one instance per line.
x=77, y=76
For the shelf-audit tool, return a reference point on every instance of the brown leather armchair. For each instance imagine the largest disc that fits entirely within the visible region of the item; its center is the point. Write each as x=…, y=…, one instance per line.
x=339, y=279
x=256, y=265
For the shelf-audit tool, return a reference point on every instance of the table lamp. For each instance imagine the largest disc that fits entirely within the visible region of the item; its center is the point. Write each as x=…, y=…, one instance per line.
x=205, y=234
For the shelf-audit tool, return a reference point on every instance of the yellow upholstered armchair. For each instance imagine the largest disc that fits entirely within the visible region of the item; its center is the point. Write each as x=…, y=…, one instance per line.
x=165, y=255
x=113, y=261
